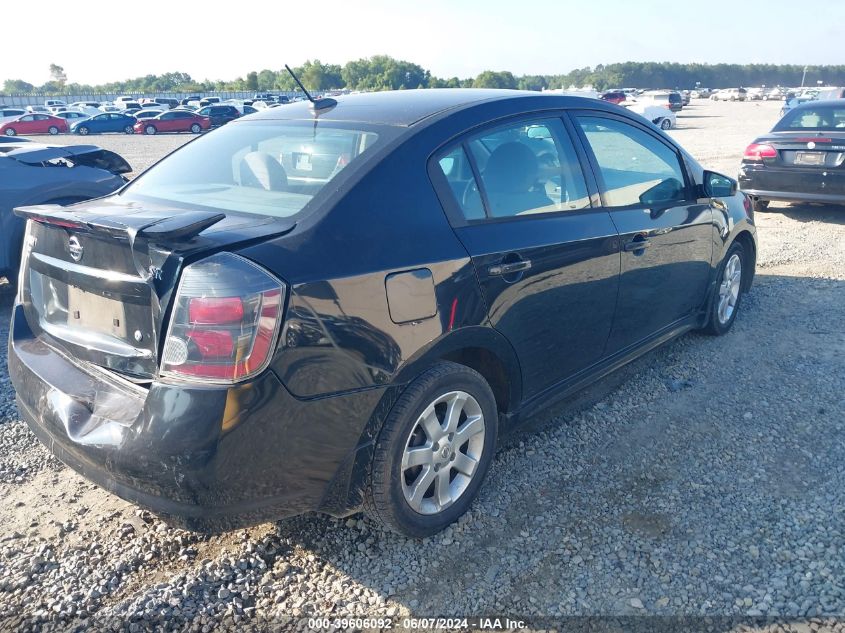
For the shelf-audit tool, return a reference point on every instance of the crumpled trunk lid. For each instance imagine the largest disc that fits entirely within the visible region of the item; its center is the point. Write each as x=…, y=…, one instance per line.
x=98, y=278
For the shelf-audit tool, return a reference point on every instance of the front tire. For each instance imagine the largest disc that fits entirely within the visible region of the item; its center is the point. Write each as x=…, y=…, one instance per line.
x=665, y=124
x=129, y=130
x=433, y=452
x=83, y=130
x=728, y=297
x=150, y=129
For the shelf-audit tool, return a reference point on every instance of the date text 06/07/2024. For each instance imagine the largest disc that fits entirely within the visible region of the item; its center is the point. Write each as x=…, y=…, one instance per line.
x=419, y=623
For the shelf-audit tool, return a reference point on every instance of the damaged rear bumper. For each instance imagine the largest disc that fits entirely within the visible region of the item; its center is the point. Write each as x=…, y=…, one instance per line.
x=209, y=458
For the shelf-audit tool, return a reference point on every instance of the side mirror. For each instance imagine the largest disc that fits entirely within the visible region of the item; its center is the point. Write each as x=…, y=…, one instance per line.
x=718, y=186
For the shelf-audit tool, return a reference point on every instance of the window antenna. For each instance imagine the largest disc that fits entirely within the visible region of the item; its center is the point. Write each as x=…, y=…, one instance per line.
x=317, y=104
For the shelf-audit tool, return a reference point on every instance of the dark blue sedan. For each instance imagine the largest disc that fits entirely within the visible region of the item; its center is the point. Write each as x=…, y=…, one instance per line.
x=105, y=122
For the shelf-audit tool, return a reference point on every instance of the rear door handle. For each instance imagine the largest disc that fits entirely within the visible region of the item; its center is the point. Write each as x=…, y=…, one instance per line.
x=510, y=268
x=636, y=244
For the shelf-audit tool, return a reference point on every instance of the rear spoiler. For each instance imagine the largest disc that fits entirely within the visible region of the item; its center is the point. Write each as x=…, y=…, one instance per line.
x=152, y=225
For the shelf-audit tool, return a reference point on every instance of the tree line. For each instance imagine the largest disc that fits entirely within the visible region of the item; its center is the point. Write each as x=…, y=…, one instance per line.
x=382, y=72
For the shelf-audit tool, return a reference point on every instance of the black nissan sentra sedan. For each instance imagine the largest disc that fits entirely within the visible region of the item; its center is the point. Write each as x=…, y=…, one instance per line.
x=342, y=306
x=801, y=160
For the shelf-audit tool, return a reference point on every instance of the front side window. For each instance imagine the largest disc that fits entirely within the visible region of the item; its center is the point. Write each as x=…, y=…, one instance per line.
x=525, y=168
x=637, y=168
x=264, y=168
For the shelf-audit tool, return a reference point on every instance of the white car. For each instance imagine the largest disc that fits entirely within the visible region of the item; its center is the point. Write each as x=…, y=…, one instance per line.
x=147, y=113
x=7, y=114
x=38, y=108
x=149, y=104
x=88, y=107
x=73, y=116
x=662, y=117
x=729, y=94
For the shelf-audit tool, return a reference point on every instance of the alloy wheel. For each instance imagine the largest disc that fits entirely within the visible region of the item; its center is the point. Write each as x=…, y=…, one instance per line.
x=442, y=452
x=729, y=288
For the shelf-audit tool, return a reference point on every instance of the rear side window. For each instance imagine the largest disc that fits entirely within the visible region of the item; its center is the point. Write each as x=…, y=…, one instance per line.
x=525, y=168
x=637, y=168
x=263, y=168
x=455, y=166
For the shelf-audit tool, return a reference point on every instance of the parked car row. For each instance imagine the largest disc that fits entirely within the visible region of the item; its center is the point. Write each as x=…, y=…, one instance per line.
x=195, y=114
x=825, y=93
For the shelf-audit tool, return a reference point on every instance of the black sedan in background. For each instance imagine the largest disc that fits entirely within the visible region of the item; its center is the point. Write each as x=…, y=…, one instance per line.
x=342, y=305
x=801, y=160
x=219, y=114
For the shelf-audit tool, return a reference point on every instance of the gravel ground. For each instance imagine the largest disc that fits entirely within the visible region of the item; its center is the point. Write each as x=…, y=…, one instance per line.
x=704, y=479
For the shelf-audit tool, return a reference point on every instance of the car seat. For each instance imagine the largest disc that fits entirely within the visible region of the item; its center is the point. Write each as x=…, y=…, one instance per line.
x=260, y=170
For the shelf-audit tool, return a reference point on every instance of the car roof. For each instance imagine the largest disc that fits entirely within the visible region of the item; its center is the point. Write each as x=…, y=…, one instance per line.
x=816, y=103
x=405, y=108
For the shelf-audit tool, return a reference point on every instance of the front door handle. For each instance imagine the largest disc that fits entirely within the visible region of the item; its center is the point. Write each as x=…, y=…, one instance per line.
x=636, y=244
x=510, y=268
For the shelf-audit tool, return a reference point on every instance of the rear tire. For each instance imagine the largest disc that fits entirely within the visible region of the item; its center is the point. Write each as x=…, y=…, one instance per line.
x=196, y=128
x=428, y=465
x=728, y=293
x=129, y=130
x=83, y=130
x=53, y=130
x=758, y=205
x=665, y=124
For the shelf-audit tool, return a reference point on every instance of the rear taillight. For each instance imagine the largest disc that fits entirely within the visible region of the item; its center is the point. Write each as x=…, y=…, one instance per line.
x=29, y=241
x=759, y=151
x=225, y=321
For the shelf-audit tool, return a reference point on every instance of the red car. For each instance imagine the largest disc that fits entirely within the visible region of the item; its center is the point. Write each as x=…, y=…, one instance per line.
x=614, y=96
x=174, y=121
x=35, y=123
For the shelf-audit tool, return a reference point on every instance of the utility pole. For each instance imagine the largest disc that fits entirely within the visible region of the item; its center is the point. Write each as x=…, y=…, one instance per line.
x=804, y=76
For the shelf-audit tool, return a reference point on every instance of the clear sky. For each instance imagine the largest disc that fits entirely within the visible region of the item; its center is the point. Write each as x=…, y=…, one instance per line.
x=113, y=40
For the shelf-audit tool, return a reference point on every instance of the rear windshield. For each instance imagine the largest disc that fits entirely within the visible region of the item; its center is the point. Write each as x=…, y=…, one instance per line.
x=816, y=118
x=271, y=168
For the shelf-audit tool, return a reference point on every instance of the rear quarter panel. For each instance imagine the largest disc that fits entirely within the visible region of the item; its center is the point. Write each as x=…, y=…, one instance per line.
x=338, y=332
